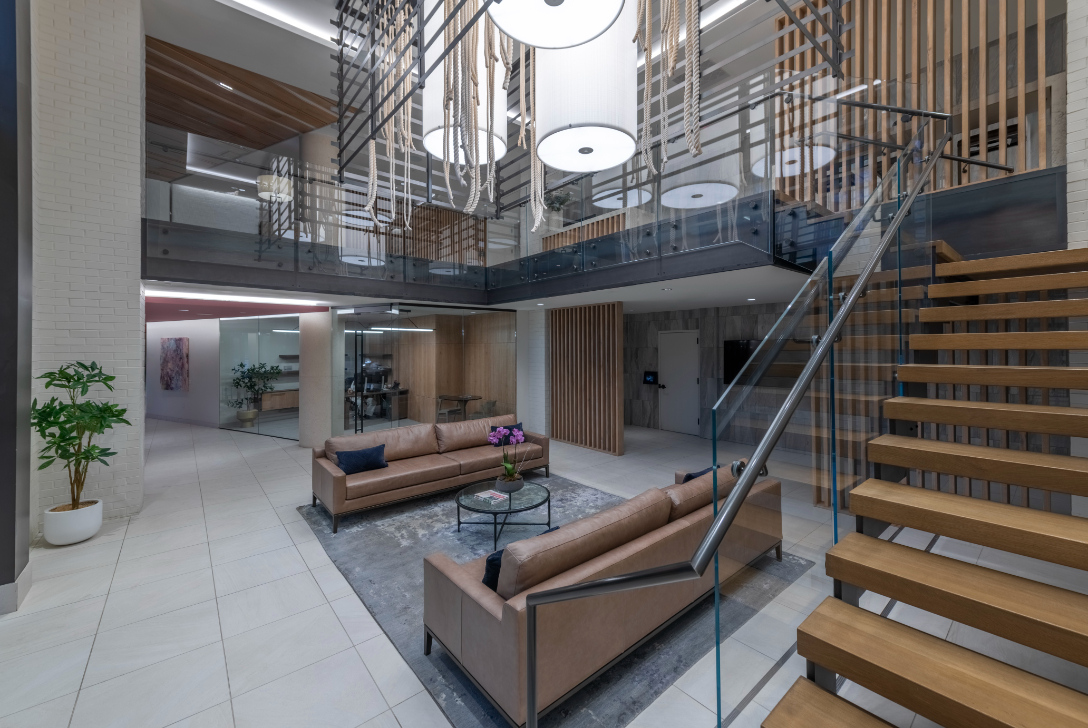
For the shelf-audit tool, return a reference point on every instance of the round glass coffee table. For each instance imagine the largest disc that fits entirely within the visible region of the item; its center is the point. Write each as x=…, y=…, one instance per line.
x=529, y=497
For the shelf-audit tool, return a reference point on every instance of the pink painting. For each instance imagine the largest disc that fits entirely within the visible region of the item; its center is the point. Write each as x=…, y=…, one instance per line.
x=174, y=365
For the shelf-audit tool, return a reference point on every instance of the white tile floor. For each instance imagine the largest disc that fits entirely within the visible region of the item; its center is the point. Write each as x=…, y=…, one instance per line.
x=217, y=607
x=214, y=607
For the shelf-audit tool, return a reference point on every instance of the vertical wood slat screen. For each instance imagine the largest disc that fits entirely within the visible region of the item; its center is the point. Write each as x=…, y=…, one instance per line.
x=437, y=233
x=587, y=231
x=915, y=48
x=586, y=363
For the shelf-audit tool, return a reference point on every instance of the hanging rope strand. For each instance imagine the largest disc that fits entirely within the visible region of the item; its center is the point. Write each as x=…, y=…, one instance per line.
x=692, y=73
x=644, y=36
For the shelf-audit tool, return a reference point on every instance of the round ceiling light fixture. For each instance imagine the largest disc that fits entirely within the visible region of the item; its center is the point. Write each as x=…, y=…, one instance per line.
x=588, y=96
x=554, y=24
x=432, y=101
x=698, y=194
x=365, y=261
x=616, y=199
x=795, y=160
x=274, y=188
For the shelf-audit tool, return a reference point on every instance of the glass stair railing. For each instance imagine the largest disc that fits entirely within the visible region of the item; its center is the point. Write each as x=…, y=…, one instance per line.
x=802, y=408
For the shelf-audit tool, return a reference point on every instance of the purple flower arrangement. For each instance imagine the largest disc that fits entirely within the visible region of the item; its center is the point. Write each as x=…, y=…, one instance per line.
x=505, y=437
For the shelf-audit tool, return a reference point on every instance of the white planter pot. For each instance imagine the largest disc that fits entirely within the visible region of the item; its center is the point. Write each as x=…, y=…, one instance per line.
x=65, y=527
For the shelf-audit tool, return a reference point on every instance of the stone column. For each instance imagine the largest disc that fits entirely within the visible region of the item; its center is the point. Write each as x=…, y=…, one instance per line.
x=534, y=381
x=16, y=206
x=315, y=378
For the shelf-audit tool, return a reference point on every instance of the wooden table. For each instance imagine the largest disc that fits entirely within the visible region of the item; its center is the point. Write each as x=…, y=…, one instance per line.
x=462, y=399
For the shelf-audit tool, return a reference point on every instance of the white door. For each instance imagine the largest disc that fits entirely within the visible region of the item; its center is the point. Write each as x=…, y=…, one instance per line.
x=678, y=381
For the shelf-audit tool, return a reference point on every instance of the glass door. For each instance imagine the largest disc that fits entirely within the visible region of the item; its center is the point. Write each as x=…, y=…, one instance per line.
x=259, y=375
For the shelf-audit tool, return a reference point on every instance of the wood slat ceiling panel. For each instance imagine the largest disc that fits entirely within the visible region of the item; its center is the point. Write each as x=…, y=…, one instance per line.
x=183, y=92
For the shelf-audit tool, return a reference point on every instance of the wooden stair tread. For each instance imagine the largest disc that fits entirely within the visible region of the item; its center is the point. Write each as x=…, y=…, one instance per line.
x=1047, y=282
x=1041, y=616
x=997, y=376
x=995, y=415
x=1006, y=311
x=950, y=685
x=865, y=318
x=1025, y=531
x=1016, y=264
x=1061, y=473
x=807, y=706
x=1005, y=340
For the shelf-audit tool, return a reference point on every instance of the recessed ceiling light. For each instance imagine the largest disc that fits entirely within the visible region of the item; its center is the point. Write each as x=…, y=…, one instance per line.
x=540, y=304
x=223, y=85
x=183, y=310
x=166, y=293
x=751, y=299
x=666, y=289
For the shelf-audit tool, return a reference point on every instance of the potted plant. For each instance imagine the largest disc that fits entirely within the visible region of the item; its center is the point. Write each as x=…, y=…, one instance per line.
x=511, y=480
x=68, y=426
x=253, y=380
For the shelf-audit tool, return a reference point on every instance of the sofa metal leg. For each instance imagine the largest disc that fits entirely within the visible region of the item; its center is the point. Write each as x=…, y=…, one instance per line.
x=778, y=551
x=314, y=504
x=427, y=641
x=547, y=471
x=335, y=523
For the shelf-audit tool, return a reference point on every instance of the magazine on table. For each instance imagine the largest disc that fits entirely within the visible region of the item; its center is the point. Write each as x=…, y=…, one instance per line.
x=492, y=496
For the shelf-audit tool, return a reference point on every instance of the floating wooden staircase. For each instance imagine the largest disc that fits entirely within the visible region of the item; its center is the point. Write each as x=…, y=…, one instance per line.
x=984, y=423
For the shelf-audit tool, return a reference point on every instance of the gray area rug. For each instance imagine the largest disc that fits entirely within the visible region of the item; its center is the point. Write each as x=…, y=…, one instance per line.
x=381, y=554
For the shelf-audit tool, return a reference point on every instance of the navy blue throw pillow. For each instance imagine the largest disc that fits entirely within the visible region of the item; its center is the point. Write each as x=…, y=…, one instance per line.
x=693, y=476
x=494, y=563
x=506, y=440
x=360, y=461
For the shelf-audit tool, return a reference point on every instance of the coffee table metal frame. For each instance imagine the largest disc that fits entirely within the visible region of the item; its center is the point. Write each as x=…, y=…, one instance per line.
x=496, y=525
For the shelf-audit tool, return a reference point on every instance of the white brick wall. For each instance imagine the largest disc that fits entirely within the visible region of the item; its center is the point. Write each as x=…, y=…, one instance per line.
x=532, y=365
x=1076, y=140
x=88, y=174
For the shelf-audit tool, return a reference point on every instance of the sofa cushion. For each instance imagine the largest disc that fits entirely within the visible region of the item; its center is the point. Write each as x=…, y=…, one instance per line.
x=401, y=474
x=475, y=459
x=493, y=565
x=532, y=561
x=695, y=494
x=692, y=476
x=360, y=461
x=400, y=442
x=470, y=433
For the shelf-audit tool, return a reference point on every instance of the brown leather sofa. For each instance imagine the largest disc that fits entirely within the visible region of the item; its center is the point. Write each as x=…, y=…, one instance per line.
x=484, y=630
x=423, y=459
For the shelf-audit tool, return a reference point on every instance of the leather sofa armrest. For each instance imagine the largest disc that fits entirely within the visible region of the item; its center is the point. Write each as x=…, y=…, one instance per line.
x=451, y=597
x=678, y=477
x=319, y=452
x=329, y=483
x=538, y=439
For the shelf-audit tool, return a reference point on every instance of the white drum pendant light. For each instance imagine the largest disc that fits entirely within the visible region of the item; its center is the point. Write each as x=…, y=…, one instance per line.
x=702, y=183
x=555, y=23
x=433, y=116
x=587, y=99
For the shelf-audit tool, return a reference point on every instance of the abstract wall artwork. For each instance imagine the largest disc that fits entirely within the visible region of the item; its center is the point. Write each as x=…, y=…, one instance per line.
x=174, y=365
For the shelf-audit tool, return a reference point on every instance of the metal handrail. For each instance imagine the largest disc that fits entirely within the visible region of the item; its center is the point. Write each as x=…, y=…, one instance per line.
x=704, y=554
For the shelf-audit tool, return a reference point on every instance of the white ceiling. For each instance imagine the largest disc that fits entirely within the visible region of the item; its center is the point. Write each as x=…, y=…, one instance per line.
x=766, y=284
x=251, y=41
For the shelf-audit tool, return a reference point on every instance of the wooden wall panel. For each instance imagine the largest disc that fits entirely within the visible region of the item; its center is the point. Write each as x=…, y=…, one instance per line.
x=586, y=231
x=586, y=358
x=916, y=49
x=491, y=360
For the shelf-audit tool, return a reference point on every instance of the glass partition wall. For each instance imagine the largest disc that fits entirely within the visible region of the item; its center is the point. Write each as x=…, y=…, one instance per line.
x=259, y=375
x=411, y=364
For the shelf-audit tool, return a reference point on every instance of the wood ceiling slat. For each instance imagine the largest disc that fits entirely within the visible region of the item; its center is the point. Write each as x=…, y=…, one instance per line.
x=182, y=90
x=177, y=111
x=177, y=82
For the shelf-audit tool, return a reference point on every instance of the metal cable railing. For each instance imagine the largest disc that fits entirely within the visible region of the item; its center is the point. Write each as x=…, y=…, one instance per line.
x=704, y=554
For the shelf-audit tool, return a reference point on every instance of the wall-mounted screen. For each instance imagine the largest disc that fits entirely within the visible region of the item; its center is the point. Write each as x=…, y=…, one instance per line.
x=735, y=354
